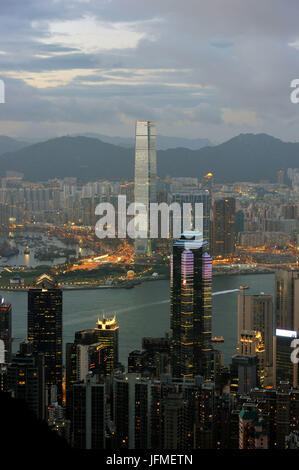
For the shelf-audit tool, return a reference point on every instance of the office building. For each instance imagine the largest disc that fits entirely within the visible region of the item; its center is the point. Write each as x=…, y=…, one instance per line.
x=25, y=379
x=45, y=329
x=243, y=373
x=145, y=180
x=191, y=308
x=223, y=227
x=131, y=408
x=287, y=298
x=255, y=313
x=88, y=414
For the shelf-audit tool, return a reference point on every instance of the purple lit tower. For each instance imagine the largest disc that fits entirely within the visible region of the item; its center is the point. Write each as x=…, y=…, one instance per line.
x=191, y=307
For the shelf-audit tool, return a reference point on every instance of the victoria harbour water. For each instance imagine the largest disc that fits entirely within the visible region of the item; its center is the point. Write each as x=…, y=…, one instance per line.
x=142, y=311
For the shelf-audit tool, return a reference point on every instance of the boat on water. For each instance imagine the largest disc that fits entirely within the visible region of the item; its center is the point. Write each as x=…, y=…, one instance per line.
x=27, y=250
x=244, y=287
x=217, y=339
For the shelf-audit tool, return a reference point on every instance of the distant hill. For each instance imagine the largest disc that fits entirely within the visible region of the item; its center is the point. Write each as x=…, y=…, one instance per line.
x=7, y=144
x=70, y=156
x=247, y=157
x=163, y=142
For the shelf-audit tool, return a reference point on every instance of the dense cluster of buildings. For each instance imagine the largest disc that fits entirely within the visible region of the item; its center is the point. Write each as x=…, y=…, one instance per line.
x=176, y=392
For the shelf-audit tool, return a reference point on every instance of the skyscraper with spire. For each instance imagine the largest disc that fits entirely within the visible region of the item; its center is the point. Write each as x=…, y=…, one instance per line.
x=145, y=179
x=191, y=307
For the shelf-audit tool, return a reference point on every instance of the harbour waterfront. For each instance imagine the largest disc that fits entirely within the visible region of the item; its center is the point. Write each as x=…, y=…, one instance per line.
x=142, y=311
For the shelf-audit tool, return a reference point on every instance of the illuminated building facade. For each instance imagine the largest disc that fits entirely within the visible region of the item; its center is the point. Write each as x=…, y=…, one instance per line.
x=107, y=337
x=255, y=312
x=5, y=328
x=191, y=308
x=250, y=344
x=94, y=350
x=145, y=179
x=45, y=328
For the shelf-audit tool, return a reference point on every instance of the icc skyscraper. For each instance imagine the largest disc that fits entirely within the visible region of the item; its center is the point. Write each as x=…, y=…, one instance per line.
x=145, y=179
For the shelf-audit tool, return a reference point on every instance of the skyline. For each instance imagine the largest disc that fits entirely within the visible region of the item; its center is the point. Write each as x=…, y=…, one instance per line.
x=98, y=68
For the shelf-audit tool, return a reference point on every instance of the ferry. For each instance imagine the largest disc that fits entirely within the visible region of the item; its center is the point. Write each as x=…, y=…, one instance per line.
x=218, y=339
x=244, y=287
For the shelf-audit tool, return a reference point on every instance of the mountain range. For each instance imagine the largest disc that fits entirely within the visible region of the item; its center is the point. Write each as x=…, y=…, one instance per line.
x=163, y=142
x=247, y=157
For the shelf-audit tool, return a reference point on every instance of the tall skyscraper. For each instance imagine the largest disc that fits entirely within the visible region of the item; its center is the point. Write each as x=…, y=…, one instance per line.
x=45, y=328
x=93, y=350
x=255, y=312
x=223, y=227
x=145, y=178
x=107, y=337
x=5, y=328
x=287, y=299
x=191, y=308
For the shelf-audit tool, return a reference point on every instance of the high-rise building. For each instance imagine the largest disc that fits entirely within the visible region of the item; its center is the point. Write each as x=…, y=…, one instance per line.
x=207, y=182
x=223, y=227
x=251, y=344
x=191, y=307
x=283, y=367
x=287, y=299
x=94, y=350
x=131, y=407
x=243, y=373
x=25, y=378
x=145, y=179
x=107, y=337
x=280, y=177
x=45, y=328
x=255, y=312
x=88, y=414
x=5, y=328
x=174, y=421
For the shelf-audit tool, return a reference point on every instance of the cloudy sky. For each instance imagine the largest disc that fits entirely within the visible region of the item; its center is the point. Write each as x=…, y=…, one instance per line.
x=199, y=68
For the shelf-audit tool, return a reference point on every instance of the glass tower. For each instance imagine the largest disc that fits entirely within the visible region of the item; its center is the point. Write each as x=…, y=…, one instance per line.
x=45, y=328
x=191, y=307
x=145, y=179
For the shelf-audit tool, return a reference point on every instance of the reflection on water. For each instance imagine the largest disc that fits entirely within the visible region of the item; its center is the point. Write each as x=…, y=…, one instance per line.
x=35, y=242
x=143, y=311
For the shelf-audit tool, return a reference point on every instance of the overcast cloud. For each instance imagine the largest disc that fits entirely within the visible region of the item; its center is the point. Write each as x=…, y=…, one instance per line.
x=199, y=68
